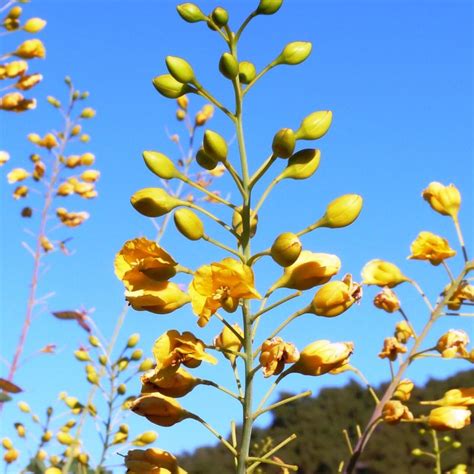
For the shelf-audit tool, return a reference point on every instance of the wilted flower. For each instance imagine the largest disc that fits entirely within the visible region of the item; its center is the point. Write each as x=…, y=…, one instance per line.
x=321, y=357
x=158, y=409
x=428, y=246
x=382, y=273
x=394, y=411
x=391, y=349
x=387, y=300
x=403, y=332
x=71, y=219
x=464, y=292
x=151, y=461
x=39, y=170
x=453, y=343
x=20, y=192
x=335, y=297
x=228, y=341
x=15, y=102
x=46, y=244
x=403, y=390
x=275, y=353
x=309, y=270
x=449, y=418
x=443, y=199
x=28, y=82
x=220, y=285
x=173, y=349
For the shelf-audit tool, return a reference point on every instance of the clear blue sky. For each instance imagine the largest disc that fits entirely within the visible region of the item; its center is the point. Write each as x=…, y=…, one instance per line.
x=397, y=76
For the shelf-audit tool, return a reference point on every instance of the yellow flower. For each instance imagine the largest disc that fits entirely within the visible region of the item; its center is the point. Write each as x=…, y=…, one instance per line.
x=309, y=270
x=151, y=461
x=11, y=455
x=158, y=409
x=160, y=297
x=30, y=49
x=387, y=300
x=391, y=349
x=48, y=141
x=4, y=157
x=13, y=69
x=173, y=349
x=15, y=102
x=321, y=357
x=428, y=246
x=449, y=418
x=403, y=332
x=275, y=353
x=175, y=385
x=453, y=343
x=46, y=244
x=20, y=192
x=336, y=297
x=65, y=189
x=141, y=262
x=34, y=25
x=73, y=161
x=382, y=273
x=228, y=341
x=443, y=199
x=403, y=390
x=90, y=176
x=460, y=397
x=145, y=438
x=220, y=285
x=464, y=292
x=16, y=175
x=394, y=411
x=28, y=82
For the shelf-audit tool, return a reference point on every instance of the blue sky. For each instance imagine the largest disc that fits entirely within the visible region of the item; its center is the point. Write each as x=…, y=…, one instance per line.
x=398, y=78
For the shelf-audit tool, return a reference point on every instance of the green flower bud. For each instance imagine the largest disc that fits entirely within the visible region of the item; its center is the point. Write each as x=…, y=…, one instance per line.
x=228, y=66
x=294, y=53
x=75, y=96
x=220, y=16
x=53, y=101
x=169, y=87
x=247, y=72
x=417, y=452
x=121, y=389
x=286, y=249
x=180, y=115
x=180, y=69
x=284, y=143
x=190, y=12
x=122, y=364
x=301, y=165
x=133, y=340
x=206, y=161
x=189, y=224
x=145, y=438
x=123, y=428
x=147, y=364
x=160, y=165
x=154, y=202
x=103, y=359
x=136, y=355
x=92, y=378
x=456, y=445
x=237, y=222
x=88, y=113
x=269, y=7
x=215, y=145
x=82, y=355
x=314, y=126
x=342, y=211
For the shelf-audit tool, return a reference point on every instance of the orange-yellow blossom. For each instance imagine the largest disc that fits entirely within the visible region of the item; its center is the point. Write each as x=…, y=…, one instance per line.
x=17, y=175
x=220, y=285
x=39, y=170
x=453, y=343
x=381, y=273
x=71, y=219
x=443, y=199
x=432, y=247
x=30, y=49
x=151, y=461
x=449, y=418
x=275, y=353
x=391, y=349
x=90, y=176
x=228, y=341
x=28, y=82
x=176, y=384
x=321, y=357
x=387, y=300
x=158, y=409
x=46, y=244
x=464, y=292
x=394, y=411
x=403, y=332
x=403, y=390
x=13, y=69
x=20, y=192
x=15, y=102
x=460, y=397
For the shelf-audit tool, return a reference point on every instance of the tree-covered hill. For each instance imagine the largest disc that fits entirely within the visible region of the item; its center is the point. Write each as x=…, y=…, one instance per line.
x=319, y=447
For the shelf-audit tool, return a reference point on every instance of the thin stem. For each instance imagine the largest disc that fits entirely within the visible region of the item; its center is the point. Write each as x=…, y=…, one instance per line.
x=405, y=317
x=212, y=195
x=265, y=195
x=275, y=305
x=222, y=246
x=215, y=433
x=201, y=91
x=310, y=228
x=448, y=270
x=210, y=383
x=422, y=293
x=244, y=25
x=291, y=467
x=259, y=75
x=237, y=377
x=229, y=326
x=345, y=433
x=271, y=389
x=210, y=215
x=254, y=258
x=460, y=238
x=235, y=176
x=271, y=452
x=436, y=452
x=262, y=170
x=367, y=383
x=308, y=393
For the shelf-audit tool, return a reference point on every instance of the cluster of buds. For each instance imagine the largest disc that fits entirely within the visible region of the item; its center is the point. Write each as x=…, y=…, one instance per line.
x=16, y=68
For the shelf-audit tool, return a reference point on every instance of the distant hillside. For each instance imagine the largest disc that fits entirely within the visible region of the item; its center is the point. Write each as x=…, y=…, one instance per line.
x=319, y=448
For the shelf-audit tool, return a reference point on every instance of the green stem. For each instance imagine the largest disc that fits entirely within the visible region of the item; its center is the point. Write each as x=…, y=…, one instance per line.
x=262, y=170
x=222, y=246
x=271, y=452
x=212, y=195
x=210, y=383
x=308, y=393
x=461, y=238
x=436, y=452
x=259, y=75
x=214, y=432
x=275, y=305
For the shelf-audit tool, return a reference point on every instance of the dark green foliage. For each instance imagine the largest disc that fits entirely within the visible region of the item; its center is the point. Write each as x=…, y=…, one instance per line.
x=320, y=446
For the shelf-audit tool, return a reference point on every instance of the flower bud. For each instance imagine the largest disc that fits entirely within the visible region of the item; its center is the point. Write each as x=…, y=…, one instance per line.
x=152, y=460
x=183, y=102
x=228, y=340
x=154, y=202
x=320, y=357
x=122, y=389
x=343, y=211
x=269, y=7
x=15, y=13
x=94, y=341
x=286, y=249
x=382, y=273
x=394, y=411
x=228, y=66
x=160, y=165
x=24, y=407
x=247, y=72
x=460, y=397
x=284, y=142
x=237, y=222
x=145, y=438
x=403, y=390
x=180, y=69
x=133, y=340
x=387, y=300
x=146, y=364
x=64, y=438
x=443, y=199
x=335, y=297
x=301, y=165
x=82, y=355
x=205, y=161
x=7, y=443
x=11, y=456
x=169, y=87
x=449, y=418
x=180, y=115
x=136, y=355
x=88, y=113
x=314, y=126
x=190, y=12
x=83, y=458
x=220, y=16
x=189, y=224
x=431, y=247
x=294, y=53
x=161, y=410
x=34, y=25
x=215, y=145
